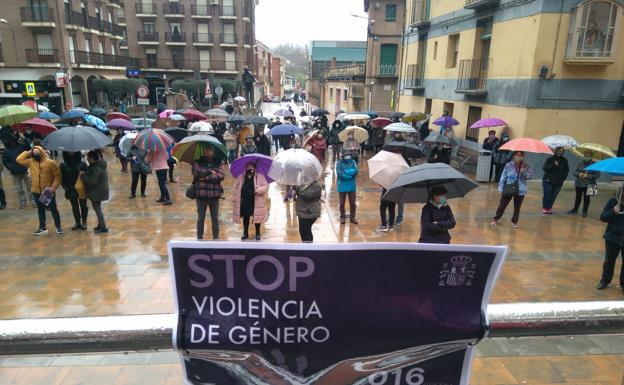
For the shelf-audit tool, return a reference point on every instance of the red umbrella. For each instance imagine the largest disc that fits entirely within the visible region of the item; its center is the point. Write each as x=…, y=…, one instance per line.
x=527, y=145
x=193, y=115
x=380, y=122
x=40, y=126
x=117, y=115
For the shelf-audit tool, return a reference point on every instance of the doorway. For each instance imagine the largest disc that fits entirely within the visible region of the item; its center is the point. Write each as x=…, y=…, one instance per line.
x=338, y=98
x=474, y=114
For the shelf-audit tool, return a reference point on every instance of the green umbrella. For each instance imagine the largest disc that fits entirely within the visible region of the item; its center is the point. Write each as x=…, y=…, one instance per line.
x=14, y=114
x=191, y=148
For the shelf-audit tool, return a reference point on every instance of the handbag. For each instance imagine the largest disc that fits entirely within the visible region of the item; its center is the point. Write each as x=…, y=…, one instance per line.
x=512, y=188
x=144, y=168
x=191, y=191
x=592, y=190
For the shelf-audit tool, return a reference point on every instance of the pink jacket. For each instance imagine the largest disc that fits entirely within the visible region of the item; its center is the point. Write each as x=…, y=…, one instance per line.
x=261, y=214
x=157, y=160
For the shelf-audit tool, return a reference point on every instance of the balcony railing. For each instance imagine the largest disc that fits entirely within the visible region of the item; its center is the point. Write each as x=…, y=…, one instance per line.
x=147, y=36
x=75, y=18
x=228, y=10
x=187, y=65
x=145, y=9
x=387, y=70
x=420, y=14
x=37, y=14
x=415, y=76
x=472, y=78
x=118, y=30
x=202, y=38
x=477, y=4
x=175, y=37
x=173, y=9
x=201, y=10
x=346, y=72
x=228, y=38
x=101, y=59
x=121, y=19
x=42, y=55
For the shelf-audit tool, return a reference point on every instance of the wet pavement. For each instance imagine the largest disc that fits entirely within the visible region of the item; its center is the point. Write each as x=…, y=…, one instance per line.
x=552, y=258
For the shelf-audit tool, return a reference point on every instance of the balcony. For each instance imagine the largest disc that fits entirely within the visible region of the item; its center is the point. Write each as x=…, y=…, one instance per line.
x=247, y=40
x=420, y=15
x=121, y=20
x=246, y=13
x=387, y=70
x=227, y=12
x=85, y=59
x=147, y=38
x=175, y=38
x=472, y=78
x=481, y=4
x=42, y=56
x=145, y=10
x=184, y=65
x=415, y=77
x=118, y=31
x=173, y=10
x=37, y=17
x=201, y=11
x=346, y=73
x=202, y=39
x=74, y=19
x=228, y=39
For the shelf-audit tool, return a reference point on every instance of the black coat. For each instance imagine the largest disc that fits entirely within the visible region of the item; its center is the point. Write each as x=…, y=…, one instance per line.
x=615, y=223
x=444, y=155
x=553, y=174
x=69, y=177
x=10, y=155
x=436, y=232
x=263, y=146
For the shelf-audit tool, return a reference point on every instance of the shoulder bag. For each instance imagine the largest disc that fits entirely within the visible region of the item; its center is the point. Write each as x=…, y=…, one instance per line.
x=512, y=188
x=592, y=190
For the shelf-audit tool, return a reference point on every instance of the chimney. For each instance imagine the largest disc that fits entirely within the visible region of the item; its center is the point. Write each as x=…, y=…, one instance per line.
x=333, y=63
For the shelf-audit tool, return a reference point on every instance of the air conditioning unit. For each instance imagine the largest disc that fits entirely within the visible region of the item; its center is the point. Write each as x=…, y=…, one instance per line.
x=214, y=2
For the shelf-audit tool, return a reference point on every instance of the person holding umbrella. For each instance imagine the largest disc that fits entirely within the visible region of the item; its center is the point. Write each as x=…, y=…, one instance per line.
x=249, y=147
x=613, y=216
x=158, y=161
x=334, y=141
x=14, y=146
x=437, y=218
x=440, y=154
x=96, y=182
x=501, y=157
x=351, y=146
x=346, y=174
x=556, y=171
x=139, y=169
x=584, y=178
x=513, y=185
x=318, y=146
x=263, y=145
x=249, y=200
x=122, y=159
x=231, y=143
x=207, y=178
x=308, y=207
x=74, y=187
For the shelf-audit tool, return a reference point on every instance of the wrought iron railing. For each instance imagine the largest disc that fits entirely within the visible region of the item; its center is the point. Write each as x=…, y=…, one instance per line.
x=41, y=55
x=473, y=75
x=145, y=8
x=174, y=8
x=228, y=10
x=101, y=59
x=201, y=10
x=202, y=37
x=387, y=70
x=348, y=71
x=147, y=36
x=228, y=38
x=37, y=14
x=415, y=76
x=187, y=64
x=175, y=37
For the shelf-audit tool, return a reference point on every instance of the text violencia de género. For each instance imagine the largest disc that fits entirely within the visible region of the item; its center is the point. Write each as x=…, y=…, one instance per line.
x=256, y=308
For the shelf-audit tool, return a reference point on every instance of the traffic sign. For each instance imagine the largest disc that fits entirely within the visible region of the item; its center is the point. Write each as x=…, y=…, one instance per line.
x=30, y=89
x=142, y=92
x=142, y=102
x=207, y=91
x=219, y=90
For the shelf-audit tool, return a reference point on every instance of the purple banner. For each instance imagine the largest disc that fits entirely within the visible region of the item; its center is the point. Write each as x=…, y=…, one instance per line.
x=252, y=313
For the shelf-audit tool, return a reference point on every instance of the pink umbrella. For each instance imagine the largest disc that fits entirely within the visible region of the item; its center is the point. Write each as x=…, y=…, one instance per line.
x=166, y=113
x=193, y=115
x=527, y=145
x=489, y=122
x=380, y=122
x=117, y=115
x=40, y=126
x=121, y=124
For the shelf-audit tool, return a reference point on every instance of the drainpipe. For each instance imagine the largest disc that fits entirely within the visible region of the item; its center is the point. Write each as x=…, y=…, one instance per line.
x=401, y=65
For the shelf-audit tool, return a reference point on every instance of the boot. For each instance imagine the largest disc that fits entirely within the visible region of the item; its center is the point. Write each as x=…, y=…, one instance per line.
x=2, y=199
x=342, y=220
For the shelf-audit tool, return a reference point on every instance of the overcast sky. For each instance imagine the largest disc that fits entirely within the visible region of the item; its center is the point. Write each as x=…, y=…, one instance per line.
x=299, y=21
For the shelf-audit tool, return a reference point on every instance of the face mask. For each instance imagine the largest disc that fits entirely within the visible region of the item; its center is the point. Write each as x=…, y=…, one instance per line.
x=443, y=201
x=28, y=131
x=37, y=157
x=250, y=172
x=350, y=136
x=518, y=159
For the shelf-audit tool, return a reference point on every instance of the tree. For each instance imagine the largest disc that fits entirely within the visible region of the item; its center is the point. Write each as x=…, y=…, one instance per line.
x=117, y=89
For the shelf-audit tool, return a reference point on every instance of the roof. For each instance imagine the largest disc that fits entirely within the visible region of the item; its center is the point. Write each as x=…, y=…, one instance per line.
x=343, y=51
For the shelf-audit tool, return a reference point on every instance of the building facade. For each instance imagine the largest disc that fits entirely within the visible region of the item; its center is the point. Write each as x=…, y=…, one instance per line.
x=42, y=38
x=278, y=76
x=343, y=88
x=383, y=53
x=264, y=70
x=543, y=66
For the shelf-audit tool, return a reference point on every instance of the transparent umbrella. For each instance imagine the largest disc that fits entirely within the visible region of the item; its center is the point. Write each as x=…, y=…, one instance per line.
x=295, y=167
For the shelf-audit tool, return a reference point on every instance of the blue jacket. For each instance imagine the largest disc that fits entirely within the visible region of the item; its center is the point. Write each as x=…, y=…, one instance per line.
x=510, y=175
x=346, y=171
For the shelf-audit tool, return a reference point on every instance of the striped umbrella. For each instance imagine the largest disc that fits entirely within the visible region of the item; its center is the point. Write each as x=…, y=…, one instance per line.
x=117, y=115
x=153, y=139
x=14, y=114
x=192, y=148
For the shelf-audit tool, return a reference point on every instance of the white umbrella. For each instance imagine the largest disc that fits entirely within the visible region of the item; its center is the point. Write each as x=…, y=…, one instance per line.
x=565, y=141
x=177, y=117
x=385, y=167
x=201, y=126
x=341, y=116
x=295, y=167
x=356, y=117
x=42, y=108
x=240, y=99
x=400, y=127
x=126, y=142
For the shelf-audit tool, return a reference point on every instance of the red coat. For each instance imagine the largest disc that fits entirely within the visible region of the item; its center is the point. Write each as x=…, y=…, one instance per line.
x=318, y=148
x=261, y=214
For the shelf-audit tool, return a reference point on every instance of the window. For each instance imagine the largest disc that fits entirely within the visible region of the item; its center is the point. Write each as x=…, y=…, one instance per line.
x=452, y=52
x=204, y=59
x=593, y=27
x=87, y=45
x=345, y=94
x=435, y=50
x=148, y=28
x=391, y=11
x=101, y=47
x=331, y=93
x=428, y=103
x=44, y=42
x=113, y=49
x=230, y=60
x=151, y=58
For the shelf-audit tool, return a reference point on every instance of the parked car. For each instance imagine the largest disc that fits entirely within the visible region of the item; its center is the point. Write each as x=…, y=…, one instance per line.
x=141, y=124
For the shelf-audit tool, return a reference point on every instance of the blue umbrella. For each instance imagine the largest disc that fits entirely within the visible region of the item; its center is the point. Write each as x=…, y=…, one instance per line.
x=72, y=114
x=96, y=122
x=613, y=166
x=48, y=115
x=285, y=130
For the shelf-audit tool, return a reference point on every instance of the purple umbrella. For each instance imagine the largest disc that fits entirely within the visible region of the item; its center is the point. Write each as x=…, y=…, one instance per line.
x=121, y=124
x=446, y=121
x=262, y=162
x=489, y=122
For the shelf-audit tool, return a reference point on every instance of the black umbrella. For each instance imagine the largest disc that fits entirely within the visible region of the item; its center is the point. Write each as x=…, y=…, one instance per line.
x=236, y=119
x=257, y=120
x=177, y=133
x=407, y=149
x=319, y=112
x=100, y=112
x=414, y=184
x=76, y=138
x=395, y=115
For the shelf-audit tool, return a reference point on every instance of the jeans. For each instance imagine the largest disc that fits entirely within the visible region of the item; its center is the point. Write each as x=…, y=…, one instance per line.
x=389, y=207
x=202, y=205
x=612, y=250
x=581, y=194
x=305, y=229
x=97, y=207
x=42, y=214
x=171, y=163
x=336, y=148
x=249, y=94
x=135, y=182
x=162, y=184
x=342, y=197
x=504, y=201
x=550, y=194
x=246, y=221
x=22, y=187
x=401, y=208
x=80, y=210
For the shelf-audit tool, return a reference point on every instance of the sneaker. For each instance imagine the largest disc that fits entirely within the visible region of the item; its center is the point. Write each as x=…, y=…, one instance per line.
x=33, y=205
x=381, y=229
x=398, y=222
x=354, y=221
x=343, y=220
x=515, y=225
x=584, y=214
x=41, y=231
x=167, y=203
x=257, y=237
x=549, y=212
x=391, y=228
x=601, y=285
x=160, y=200
x=143, y=195
x=572, y=211
x=77, y=226
x=22, y=206
x=83, y=226
x=494, y=222
x=544, y=211
x=59, y=231
x=132, y=197
x=2, y=206
x=99, y=230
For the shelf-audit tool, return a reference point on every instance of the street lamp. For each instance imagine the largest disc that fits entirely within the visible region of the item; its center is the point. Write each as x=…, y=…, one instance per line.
x=12, y=28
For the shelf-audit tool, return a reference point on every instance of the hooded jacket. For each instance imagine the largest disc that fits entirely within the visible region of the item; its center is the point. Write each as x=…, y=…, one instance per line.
x=308, y=204
x=615, y=223
x=346, y=172
x=437, y=232
x=96, y=181
x=10, y=157
x=553, y=174
x=44, y=173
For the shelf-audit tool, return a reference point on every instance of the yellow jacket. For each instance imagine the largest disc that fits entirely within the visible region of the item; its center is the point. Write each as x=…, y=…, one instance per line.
x=45, y=173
